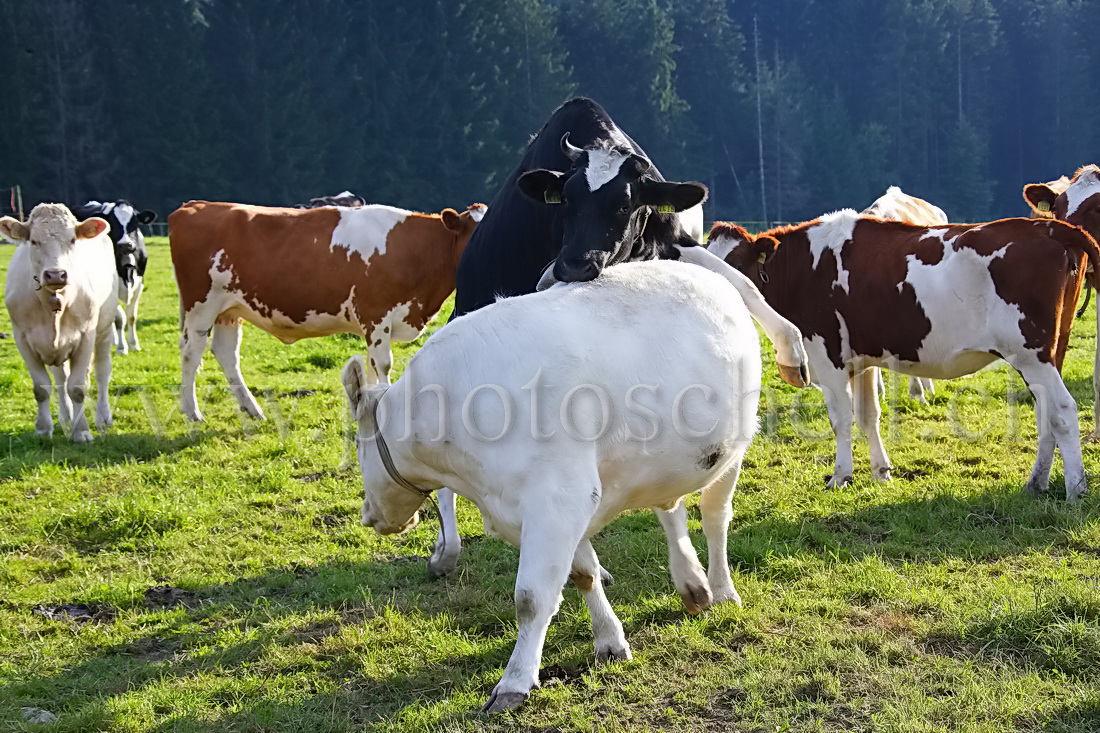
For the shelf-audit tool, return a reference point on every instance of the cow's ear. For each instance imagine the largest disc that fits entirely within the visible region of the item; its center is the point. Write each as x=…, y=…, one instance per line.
x=669, y=198
x=14, y=229
x=146, y=217
x=91, y=228
x=542, y=185
x=1040, y=197
x=354, y=378
x=451, y=220
x=765, y=247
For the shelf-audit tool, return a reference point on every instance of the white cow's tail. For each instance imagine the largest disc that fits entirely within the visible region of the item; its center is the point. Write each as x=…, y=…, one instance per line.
x=784, y=335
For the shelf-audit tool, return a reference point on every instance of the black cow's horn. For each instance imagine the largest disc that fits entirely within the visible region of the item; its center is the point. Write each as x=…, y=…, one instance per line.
x=571, y=151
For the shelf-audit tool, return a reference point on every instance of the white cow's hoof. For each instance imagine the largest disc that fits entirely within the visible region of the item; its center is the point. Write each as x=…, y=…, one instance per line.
x=44, y=432
x=195, y=416
x=500, y=701
x=697, y=597
x=882, y=474
x=440, y=565
x=253, y=411
x=606, y=578
x=616, y=652
x=82, y=436
x=1037, y=488
x=729, y=595
x=832, y=482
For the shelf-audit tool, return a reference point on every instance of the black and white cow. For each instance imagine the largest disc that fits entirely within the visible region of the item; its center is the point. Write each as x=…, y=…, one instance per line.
x=130, y=261
x=344, y=198
x=586, y=196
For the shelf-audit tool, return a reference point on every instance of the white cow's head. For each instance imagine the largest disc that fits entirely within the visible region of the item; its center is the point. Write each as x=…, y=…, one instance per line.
x=52, y=233
x=387, y=506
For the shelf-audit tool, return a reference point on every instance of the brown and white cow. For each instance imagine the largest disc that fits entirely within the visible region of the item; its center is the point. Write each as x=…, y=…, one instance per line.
x=936, y=302
x=896, y=204
x=377, y=271
x=1076, y=202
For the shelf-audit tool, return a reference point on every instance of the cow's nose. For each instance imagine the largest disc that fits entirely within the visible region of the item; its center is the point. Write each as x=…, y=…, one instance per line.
x=55, y=279
x=576, y=272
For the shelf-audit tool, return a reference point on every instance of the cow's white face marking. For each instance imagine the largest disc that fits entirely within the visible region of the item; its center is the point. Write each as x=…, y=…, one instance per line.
x=364, y=230
x=1079, y=191
x=603, y=165
x=832, y=233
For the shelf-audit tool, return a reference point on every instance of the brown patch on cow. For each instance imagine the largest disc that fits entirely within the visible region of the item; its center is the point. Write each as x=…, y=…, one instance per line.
x=930, y=252
x=584, y=582
x=282, y=260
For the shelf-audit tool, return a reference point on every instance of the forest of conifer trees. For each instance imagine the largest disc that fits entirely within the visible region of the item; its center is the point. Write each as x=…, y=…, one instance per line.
x=785, y=108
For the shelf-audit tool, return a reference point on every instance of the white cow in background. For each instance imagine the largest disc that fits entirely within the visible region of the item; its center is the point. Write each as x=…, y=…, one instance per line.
x=554, y=412
x=896, y=204
x=62, y=294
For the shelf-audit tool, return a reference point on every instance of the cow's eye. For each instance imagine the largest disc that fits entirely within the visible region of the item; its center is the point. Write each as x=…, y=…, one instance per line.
x=624, y=209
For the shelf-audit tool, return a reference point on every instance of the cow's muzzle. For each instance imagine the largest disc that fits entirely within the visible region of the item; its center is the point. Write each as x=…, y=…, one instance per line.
x=577, y=271
x=54, y=279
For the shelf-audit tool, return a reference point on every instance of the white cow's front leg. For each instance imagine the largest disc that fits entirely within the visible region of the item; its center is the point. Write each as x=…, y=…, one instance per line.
x=1096, y=380
x=119, y=331
x=448, y=544
x=40, y=378
x=716, y=508
x=790, y=353
x=868, y=412
x=553, y=527
x=607, y=630
x=103, y=417
x=683, y=564
x=226, y=345
x=838, y=400
x=78, y=390
x=64, y=405
x=132, y=314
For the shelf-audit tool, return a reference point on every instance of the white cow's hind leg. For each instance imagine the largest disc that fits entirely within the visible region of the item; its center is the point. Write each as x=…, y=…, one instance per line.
x=683, y=564
x=1056, y=417
x=916, y=389
x=716, y=508
x=838, y=400
x=103, y=418
x=226, y=345
x=192, y=345
x=64, y=405
x=448, y=544
x=607, y=630
x=555, y=518
x=868, y=411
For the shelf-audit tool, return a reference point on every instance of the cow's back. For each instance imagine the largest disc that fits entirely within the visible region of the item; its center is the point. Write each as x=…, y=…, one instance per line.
x=572, y=348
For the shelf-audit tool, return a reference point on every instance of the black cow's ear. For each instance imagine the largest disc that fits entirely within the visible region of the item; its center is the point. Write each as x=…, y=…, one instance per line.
x=1040, y=197
x=542, y=185
x=672, y=197
x=146, y=217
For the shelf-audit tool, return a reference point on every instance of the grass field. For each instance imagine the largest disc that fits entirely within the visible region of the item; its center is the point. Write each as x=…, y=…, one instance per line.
x=228, y=585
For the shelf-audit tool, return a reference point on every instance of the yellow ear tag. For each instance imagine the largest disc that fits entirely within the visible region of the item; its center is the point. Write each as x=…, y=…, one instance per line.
x=551, y=197
x=1042, y=206
x=666, y=209
x=763, y=256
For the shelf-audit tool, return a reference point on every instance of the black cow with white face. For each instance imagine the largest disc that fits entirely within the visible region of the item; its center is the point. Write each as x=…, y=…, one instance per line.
x=130, y=261
x=586, y=196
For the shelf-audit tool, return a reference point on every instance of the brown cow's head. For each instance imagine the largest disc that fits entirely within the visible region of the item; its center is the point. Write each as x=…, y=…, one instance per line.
x=1078, y=204
x=462, y=225
x=741, y=250
x=387, y=506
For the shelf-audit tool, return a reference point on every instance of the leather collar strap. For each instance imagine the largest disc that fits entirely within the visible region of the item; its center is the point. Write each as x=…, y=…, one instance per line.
x=387, y=460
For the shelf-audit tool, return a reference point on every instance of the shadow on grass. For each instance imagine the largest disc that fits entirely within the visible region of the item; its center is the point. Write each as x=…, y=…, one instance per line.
x=438, y=639
x=22, y=452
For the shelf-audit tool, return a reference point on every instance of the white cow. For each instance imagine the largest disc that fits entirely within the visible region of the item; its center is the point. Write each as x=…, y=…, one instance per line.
x=554, y=412
x=62, y=293
x=896, y=204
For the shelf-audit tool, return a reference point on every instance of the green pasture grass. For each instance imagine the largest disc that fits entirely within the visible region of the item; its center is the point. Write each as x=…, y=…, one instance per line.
x=232, y=587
